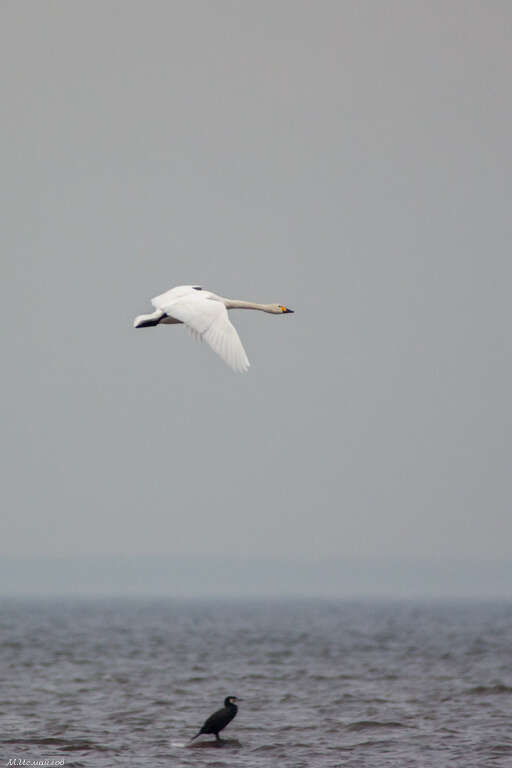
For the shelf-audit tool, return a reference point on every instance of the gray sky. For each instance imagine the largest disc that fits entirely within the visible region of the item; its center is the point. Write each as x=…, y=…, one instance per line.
x=349, y=159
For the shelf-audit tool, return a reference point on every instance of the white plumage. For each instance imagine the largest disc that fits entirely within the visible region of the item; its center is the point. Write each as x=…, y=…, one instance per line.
x=205, y=314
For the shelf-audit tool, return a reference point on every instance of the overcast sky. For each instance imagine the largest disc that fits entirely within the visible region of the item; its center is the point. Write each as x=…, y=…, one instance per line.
x=349, y=159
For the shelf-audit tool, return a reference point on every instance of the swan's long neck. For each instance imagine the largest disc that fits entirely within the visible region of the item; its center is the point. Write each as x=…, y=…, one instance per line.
x=238, y=304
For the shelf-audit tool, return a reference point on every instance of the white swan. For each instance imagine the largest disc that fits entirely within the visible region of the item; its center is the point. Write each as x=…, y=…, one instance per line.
x=205, y=314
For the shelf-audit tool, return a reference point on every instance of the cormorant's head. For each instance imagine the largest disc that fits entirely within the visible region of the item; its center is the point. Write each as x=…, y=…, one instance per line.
x=230, y=700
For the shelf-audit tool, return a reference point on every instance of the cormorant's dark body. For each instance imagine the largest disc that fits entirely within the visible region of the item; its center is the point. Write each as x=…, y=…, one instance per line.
x=219, y=719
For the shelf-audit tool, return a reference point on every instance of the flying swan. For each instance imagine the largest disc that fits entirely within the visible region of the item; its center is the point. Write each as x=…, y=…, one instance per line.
x=205, y=314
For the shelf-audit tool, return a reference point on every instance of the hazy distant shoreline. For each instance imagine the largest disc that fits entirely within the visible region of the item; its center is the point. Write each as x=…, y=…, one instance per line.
x=213, y=576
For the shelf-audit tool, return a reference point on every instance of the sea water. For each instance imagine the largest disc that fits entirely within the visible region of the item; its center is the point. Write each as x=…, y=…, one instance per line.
x=128, y=682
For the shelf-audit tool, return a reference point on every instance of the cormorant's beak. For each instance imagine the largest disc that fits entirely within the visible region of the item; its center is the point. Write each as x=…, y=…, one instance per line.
x=286, y=309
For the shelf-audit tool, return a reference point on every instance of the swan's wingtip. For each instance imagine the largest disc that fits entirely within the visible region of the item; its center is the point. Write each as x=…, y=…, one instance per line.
x=242, y=368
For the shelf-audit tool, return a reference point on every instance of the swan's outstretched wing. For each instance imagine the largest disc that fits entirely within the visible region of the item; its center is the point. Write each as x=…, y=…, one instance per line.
x=164, y=299
x=208, y=318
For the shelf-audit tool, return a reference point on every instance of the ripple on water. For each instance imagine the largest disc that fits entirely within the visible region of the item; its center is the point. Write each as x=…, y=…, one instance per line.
x=489, y=690
x=365, y=725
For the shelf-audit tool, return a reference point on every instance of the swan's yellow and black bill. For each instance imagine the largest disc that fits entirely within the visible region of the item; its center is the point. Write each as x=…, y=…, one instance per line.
x=286, y=309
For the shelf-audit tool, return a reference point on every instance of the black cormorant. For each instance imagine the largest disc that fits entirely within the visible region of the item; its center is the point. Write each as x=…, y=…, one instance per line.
x=220, y=719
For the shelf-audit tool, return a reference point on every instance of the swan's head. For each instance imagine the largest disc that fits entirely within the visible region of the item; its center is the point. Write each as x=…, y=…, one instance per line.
x=279, y=309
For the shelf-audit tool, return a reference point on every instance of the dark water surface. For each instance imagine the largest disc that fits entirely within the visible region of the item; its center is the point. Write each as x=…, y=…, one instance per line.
x=325, y=683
